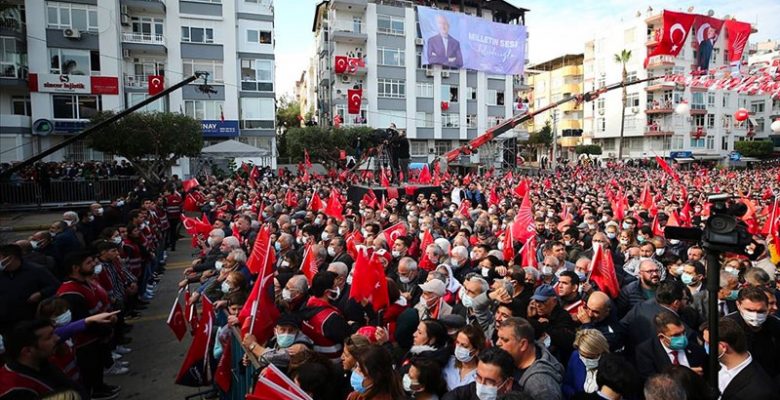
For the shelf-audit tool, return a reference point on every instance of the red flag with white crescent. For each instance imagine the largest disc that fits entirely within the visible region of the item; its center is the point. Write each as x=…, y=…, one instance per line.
x=156, y=84
x=340, y=65
x=354, y=99
x=674, y=34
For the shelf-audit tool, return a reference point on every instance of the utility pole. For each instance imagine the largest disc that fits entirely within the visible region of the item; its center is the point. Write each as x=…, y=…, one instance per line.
x=554, y=158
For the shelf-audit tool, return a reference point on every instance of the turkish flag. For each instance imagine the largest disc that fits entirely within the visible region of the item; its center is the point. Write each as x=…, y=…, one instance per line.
x=334, y=208
x=353, y=64
x=737, y=34
x=261, y=325
x=664, y=166
x=273, y=374
x=425, y=262
x=306, y=159
x=156, y=84
x=307, y=265
x=189, y=203
x=316, y=203
x=425, y=175
x=189, y=184
x=701, y=26
x=602, y=272
x=522, y=188
x=176, y=319
x=195, y=370
x=394, y=232
x=262, y=253
x=354, y=99
x=379, y=296
x=523, y=227
x=770, y=226
x=677, y=25
x=493, y=198
x=509, y=250
x=340, y=64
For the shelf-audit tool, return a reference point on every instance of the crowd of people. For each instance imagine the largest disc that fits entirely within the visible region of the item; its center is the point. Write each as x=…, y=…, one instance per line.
x=43, y=172
x=468, y=313
x=67, y=294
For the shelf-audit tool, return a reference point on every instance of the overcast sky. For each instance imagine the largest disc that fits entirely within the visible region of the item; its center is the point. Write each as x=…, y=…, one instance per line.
x=555, y=27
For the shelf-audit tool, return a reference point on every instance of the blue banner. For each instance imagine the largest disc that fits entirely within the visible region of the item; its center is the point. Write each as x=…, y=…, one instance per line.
x=218, y=128
x=458, y=40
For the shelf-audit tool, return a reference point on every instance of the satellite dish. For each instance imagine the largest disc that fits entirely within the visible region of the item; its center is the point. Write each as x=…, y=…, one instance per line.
x=710, y=13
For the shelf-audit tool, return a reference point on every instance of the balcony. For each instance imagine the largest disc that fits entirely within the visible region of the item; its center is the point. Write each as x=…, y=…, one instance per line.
x=660, y=107
x=571, y=70
x=569, y=124
x=660, y=61
x=655, y=130
x=663, y=85
x=349, y=5
x=348, y=32
x=570, y=106
x=136, y=81
x=653, y=38
x=144, y=43
x=13, y=74
x=698, y=109
x=655, y=17
x=145, y=6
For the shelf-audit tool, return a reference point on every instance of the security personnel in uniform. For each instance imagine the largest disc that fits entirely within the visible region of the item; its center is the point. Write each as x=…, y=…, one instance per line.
x=322, y=321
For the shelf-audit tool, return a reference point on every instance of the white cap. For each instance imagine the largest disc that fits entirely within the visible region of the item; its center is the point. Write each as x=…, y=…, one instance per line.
x=434, y=286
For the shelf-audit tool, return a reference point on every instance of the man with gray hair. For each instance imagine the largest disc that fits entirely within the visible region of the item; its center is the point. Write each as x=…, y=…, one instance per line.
x=351, y=309
x=409, y=278
x=460, y=262
x=295, y=294
x=728, y=290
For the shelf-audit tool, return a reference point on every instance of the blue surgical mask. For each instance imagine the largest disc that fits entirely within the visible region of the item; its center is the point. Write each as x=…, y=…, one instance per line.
x=678, y=342
x=707, y=348
x=225, y=287
x=485, y=392
x=686, y=278
x=356, y=381
x=278, y=246
x=467, y=301
x=733, y=295
x=285, y=340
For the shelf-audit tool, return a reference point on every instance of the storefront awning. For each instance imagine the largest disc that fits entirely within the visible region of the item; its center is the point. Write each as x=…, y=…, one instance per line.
x=683, y=160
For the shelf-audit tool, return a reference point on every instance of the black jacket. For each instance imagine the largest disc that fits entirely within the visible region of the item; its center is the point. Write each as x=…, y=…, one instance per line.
x=751, y=383
x=651, y=357
x=639, y=325
x=763, y=344
x=561, y=328
x=401, y=147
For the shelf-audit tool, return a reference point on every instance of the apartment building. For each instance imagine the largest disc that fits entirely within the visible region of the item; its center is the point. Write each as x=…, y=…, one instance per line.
x=708, y=131
x=440, y=108
x=75, y=58
x=551, y=81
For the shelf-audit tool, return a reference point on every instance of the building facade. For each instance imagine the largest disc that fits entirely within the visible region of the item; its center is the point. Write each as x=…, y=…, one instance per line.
x=88, y=55
x=652, y=127
x=551, y=81
x=439, y=108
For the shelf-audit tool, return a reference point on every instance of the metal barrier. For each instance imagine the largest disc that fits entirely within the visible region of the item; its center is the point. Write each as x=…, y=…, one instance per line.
x=243, y=380
x=34, y=194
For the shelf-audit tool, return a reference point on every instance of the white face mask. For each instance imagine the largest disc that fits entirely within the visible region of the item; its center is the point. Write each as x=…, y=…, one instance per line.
x=325, y=236
x=120, y=203
x=463, y=354
x=68, y=222
x=501, y=245
x=286, y=294
x=225, y=287
x=660, y=252
x=754, y=319
x=547, y=270
x=485, y=392
x=210, y=242
x=218, y=265
x=99, y=211
x=98, y=269
x=117, y=240
x=35, y=244
x=590, y=363
x=331, y=252
x=674, y=241
x=4, y=263
x=404, y=279
x=342, y=231
x=63, y=319
x=396, y=253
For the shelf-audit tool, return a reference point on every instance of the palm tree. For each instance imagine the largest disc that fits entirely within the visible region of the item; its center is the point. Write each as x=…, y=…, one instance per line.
x=623, y=58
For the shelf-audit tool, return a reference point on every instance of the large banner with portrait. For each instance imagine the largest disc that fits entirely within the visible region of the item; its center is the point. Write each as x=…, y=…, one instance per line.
x=458, y=40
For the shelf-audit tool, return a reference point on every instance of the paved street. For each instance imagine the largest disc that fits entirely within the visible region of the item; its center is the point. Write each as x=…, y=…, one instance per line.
x=157, y=355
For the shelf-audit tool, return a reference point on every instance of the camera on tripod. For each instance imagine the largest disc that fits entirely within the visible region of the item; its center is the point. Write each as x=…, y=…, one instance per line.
x=723, y=232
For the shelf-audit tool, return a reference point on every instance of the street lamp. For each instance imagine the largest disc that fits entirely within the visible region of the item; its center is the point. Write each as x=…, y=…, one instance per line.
x=682, y=108
x=775, y=126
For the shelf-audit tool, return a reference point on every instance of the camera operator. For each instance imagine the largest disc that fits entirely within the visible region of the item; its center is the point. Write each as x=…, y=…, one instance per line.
x=399, y=152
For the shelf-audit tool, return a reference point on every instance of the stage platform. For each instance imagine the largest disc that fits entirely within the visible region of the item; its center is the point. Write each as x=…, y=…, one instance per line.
x=355, y=192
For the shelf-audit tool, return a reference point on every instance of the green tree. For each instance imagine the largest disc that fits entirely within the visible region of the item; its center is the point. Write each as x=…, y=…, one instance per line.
x=755, y=148
x=623, y=57
x=325, y=144
x=541, y=138
x=287, y=113
x=152, y=142
x=592, y=149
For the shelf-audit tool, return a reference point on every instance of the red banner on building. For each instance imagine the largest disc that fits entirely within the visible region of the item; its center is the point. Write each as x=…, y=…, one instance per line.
x=340, y=65
x=355, y=98
x=737, y=33
x=156, y=84
x=677, y=25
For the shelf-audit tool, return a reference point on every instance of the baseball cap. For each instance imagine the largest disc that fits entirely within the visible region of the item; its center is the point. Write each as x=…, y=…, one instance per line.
x=434, y=286
x=543, y=292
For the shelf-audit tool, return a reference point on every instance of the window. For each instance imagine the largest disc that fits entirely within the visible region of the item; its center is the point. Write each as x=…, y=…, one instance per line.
x=12, y=60
x=257, y=113
x=757, y=107
x=213, y=67
x=697, y=101
x=601, y=124
x=393, y=88
x=147, y=28
x=135, y=98
x=197, y=35
x=491, y=97
x=207, y=1
x=710, y=142
x=418, y=147
x=631, y=76
x=494, y=120
x=471, y=93
x=759, y=125
x=726, y=98
x=500, y=97
x=75, y=107
x=724, y=143
x=262, y=37
x=632, y=100
x=601, y=82
x=697, y=142
x=424, y=89
x=677, y=142
x=449, y=120
x=449, y=93
x=698, y=120
x=424, y=120
x=203, y=109
x=21, y=105
x=710, y=99
x=390, y=25
x=726, y=121
x=77, y=16
x=389, y=56
x=600, y=104
x=74, y=62
x=630, y=122
x=359, y=119
x=471, y=120
x=442, y=146
x=257, y=75
x=710, y=121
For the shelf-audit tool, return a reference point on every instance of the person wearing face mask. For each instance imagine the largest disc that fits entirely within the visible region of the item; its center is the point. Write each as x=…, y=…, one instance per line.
x=409, y=279
x=693, y=276
x=337, y=250
x=64, y=239
x=728, y=291
x=461, y=369
x=424, y=380
x=373, y=377
x=22, y=286
x=495, y=369
x=761, y=330
x=432, y=304
x=294, y=294
x=282, y=246
x=323, y=322
x=669, y=347
x=399, y=250
x=571, y=239
x=287, y=333
x=582, y=368
x=740, y=375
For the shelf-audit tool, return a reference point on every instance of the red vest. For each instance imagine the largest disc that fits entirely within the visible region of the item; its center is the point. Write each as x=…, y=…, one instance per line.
x=66, y=361
x=173, y=203
x=93, y=299
x=11, y=380
x=134, y=258
x=314, y=328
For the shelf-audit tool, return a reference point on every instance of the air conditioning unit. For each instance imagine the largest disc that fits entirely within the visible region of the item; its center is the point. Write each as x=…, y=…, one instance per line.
x=71, y=33
x=429, y=73
x=445, y=74
x=125, y=53
x=635, y=110
x=601, y=112
x=419, y=41
x=124, y=19
x=345, y=78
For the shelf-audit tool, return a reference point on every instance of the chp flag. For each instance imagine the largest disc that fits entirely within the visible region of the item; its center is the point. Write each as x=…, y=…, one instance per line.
x=354, y=99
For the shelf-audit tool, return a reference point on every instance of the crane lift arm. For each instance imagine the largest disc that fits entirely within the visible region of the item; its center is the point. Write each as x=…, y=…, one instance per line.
x=518, y=119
